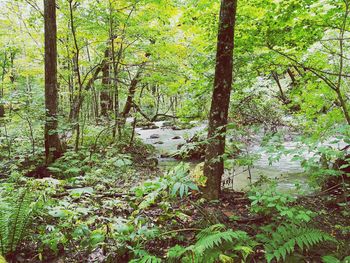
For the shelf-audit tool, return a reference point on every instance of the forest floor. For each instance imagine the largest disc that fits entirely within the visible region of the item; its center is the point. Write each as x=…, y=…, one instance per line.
x=100, y=200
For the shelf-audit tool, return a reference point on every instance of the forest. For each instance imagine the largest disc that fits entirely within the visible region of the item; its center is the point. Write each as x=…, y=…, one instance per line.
x=193, y=131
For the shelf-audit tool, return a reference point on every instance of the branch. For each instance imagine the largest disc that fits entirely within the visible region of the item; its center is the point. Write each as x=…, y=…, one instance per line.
x=316, y=72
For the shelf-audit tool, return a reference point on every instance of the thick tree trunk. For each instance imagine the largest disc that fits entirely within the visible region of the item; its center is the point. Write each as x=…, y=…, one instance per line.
x=214, y=164
x=53, y=148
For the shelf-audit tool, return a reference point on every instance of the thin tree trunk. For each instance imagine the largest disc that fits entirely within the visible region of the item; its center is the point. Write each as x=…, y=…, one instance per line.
x=105, y=98
x=341, y=65
x=2, y=107
x=131, y=93
x=53, y=147
x=77, y=103
x=214, y=164
x=291, y=75
x=277, y=80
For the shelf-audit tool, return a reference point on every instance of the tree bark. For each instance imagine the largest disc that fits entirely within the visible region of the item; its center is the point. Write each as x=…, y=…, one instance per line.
x=214, y=164
x=105, y=98
x=53, y=147
x=2, y=107
x=131, y=93
x=291, y=75
x=277, y=80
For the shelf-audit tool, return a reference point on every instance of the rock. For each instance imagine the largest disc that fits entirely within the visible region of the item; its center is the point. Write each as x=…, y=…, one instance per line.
x=176, y=137
x=194, y=149
x=141, y=124
x=154, y=136
x=167, y=124
x=177, y=128
x=159, y=142
x=182, y=126
x=151, y=127
x=152, y=161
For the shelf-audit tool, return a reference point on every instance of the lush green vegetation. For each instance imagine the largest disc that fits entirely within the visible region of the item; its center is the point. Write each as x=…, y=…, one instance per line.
x=81, y=83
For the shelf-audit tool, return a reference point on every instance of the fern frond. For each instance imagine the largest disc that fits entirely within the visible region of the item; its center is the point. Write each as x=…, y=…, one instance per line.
x=216, y=239
x=4, y=219
x=16, y=210
x=18, y=220
x=287, y=238
x=144, y=257
x=176, y=252
x=210, y=230
x=213, y=243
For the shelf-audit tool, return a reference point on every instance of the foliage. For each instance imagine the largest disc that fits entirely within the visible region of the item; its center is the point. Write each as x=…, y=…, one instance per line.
x=279, y=206
x=291, y=91
x=332, y=259
x=176, y=182
x=212, y=244
x=284, y=240
x=144, y=257
x=17, y=207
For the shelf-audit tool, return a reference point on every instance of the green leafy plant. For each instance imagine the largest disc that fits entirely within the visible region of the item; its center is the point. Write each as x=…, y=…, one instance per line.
x=16, y=212
x=176, y=183
x=144, y=257
x=179, y=180
x=332, y=259
x=214, y=243
x=270, y=202
x=287, y=238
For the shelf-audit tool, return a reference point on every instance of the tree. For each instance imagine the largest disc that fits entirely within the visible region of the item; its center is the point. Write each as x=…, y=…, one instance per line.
x=214, y=165
x=53, y=147
x=105, y=99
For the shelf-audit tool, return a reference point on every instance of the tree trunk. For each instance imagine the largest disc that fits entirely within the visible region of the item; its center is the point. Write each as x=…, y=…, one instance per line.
x=291, y=75
x=105, y=98
x=53, y=148
x=214, y=164
x=131, y=93
x=277, y=80
x=2, y=107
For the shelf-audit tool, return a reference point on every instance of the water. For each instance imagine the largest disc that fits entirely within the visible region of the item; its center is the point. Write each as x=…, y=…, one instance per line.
x=166, y=135
x=287, y=171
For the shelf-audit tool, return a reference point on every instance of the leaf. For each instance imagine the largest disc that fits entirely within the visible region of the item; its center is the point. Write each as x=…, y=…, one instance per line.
x=60, y=213
x=225, y=259
x=96, y=237
x=182, y=190
x=74, y=171
x=77, y=192
x=175, y=188
x=330, y=259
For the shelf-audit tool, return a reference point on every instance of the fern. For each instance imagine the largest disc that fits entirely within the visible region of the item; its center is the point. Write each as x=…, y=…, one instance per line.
x=212, y=244
x=4, y=219
x=144, y=257
x=217, y=239
x=16, y=211
x=287, y=238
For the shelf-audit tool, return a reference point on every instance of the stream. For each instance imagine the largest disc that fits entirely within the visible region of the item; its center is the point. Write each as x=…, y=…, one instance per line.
x=288, y=171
